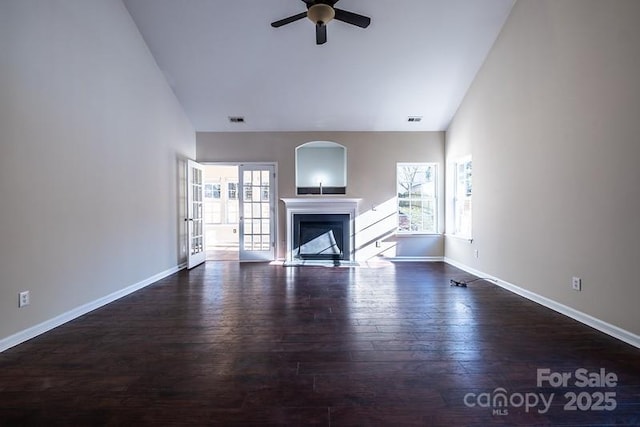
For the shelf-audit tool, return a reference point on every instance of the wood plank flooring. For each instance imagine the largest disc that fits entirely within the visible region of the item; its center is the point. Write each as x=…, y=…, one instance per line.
x=257, y=344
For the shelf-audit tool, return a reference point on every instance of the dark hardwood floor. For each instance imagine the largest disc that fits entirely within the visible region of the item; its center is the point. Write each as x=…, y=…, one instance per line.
x=375, y=345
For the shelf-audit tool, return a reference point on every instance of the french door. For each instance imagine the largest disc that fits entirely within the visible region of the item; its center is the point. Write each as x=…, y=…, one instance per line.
x=257, y=210
x=196, y=254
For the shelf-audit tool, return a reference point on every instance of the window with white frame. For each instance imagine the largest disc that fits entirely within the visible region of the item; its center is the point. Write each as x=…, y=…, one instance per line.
x=232, y=203
x=462, y=202
x=232, y=190
x=417, y=197
x=211, y=191
x=212, y=204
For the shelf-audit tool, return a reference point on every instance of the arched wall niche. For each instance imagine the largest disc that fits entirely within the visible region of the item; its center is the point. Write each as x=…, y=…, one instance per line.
x=321, y=168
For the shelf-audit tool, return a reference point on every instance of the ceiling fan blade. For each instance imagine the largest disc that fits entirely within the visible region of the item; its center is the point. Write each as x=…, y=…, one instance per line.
x=289, y=20
x=352, y=18
x=310, y=3
x=321, y=34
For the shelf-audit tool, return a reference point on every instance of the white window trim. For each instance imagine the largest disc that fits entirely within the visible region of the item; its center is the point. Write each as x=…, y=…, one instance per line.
x=213, y=184
x=456, y=233
x=402, y=233
x=229, y=201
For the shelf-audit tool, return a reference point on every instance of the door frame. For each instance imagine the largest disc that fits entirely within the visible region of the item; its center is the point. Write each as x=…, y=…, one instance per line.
x=276, y=200
x=260, y=255
x=193, y=260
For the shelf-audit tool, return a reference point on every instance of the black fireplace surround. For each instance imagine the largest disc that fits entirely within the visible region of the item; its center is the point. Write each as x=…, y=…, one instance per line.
x=321, y=236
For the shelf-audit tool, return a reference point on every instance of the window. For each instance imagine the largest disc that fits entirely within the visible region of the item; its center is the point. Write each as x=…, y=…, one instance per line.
x=232, y=212
x=462, y=203
x=232, y=190
x=212, y=191
x=212, y=212
x=416, y=189
x=232, y=203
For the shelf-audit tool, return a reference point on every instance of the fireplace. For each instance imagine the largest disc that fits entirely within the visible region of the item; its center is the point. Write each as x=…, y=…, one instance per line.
x=320, y=230
x=321, y=236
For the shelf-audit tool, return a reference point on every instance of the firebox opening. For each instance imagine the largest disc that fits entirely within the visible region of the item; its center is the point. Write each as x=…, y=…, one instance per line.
x=321, y=237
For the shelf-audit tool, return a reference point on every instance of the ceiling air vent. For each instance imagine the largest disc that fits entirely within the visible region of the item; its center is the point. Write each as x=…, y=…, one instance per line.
x=236, y=119
x=414, y=119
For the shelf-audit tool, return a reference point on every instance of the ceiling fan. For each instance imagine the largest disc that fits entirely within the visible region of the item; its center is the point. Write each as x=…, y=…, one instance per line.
x=320, y=12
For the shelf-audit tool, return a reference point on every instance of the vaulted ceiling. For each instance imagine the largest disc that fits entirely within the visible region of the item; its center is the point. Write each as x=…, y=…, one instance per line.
x=222, y=58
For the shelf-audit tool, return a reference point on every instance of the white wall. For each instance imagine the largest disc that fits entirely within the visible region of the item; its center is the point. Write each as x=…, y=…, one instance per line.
x=91, y=139
x=371, y=175
x=552, y=122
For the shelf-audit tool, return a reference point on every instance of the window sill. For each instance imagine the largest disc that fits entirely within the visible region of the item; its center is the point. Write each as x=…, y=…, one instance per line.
x=459, y=237
x=417, y=234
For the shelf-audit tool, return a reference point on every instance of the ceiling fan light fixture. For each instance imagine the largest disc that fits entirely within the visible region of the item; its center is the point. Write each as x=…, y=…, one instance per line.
x=321, y=13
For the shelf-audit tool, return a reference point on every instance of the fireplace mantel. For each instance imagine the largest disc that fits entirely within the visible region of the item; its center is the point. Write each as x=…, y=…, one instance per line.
x=323, y=203
x=319, y=205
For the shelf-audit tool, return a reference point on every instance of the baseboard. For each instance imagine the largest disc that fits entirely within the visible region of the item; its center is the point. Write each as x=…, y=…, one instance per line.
x=415, y=259
x=48, y=325
x=282, y=261
x=602, y=326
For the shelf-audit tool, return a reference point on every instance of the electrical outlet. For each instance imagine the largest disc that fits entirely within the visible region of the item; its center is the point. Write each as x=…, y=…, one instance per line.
x=576, y=283
x=23, y=299
x=475, y=253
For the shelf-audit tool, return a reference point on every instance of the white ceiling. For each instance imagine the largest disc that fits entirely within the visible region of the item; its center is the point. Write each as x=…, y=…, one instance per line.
x=222, y=58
